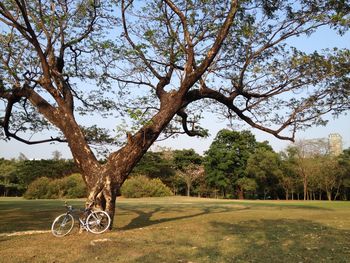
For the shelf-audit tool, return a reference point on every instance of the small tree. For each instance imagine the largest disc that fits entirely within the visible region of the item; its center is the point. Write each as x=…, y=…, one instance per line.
x=330, y=176
x=8, y=180
x=246, y=185
x=56, y=155
x=39, y=189
x=301, y=155
x=191, y=174
x=288, y=179
x=187, y=164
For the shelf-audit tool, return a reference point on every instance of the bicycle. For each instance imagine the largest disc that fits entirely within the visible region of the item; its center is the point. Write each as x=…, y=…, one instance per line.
x=95, y=222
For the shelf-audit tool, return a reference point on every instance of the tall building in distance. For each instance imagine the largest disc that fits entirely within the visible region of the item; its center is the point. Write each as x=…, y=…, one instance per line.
x=335, y=142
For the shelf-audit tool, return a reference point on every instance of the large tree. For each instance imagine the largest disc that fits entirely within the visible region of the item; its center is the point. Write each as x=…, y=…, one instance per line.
x=265, y=166
x=302, y=157
x=164, y=63
x=227, y=159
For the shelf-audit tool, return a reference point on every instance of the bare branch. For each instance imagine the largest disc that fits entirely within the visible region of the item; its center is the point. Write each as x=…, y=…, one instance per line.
x=191, y=132
x=133, y=45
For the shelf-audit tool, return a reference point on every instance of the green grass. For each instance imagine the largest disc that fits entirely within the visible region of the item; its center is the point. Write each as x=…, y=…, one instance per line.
x=180, y=229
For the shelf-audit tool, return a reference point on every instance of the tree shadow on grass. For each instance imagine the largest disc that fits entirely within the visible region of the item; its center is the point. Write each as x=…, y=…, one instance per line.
x=148, y=215
x=30, y=215
x=280, y=240
x=281, y=205
x=13, y=221
x=156, y=215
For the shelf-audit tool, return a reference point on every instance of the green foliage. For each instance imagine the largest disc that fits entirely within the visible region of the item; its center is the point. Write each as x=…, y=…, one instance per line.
x=28, y=170
x=142, y=186
x=16, y=175
x=38, y=189
x=8, y=180
x=247, y=184
x=227, y=157
x=265, y=167
x=155, y=165
x=185, y=158
x=71, y=186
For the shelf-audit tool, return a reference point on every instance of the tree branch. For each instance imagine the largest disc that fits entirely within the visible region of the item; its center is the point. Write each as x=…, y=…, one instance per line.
x=189, y=50
x=221, y=36
x=191, y=132
x=133, y=45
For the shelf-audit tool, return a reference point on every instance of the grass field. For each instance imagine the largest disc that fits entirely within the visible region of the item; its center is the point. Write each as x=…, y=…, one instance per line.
x=180, y=229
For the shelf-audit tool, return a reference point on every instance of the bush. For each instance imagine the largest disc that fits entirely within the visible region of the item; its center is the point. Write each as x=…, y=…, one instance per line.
x=72, y=186
x=39, y=188
x=142, y=186
x=76, y=186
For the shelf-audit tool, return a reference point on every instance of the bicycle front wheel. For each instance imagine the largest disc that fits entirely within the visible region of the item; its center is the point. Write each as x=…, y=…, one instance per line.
x=98, y=222
x=62, y=225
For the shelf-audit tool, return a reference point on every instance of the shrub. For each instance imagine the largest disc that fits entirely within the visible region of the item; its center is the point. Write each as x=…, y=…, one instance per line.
x=142, y=186
x=39, y=188
x=72, y=186
x=76, y=187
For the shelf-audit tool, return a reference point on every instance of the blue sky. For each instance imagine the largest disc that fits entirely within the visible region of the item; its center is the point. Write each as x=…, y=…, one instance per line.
x=322, y=39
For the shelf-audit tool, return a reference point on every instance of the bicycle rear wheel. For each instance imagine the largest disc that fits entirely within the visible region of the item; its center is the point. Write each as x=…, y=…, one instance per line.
x=62, y=225
x=98, y=222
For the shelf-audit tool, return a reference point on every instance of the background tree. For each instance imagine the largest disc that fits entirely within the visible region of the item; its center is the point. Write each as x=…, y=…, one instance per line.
x=164, y=69
x=29, y=170
x=301, y=155
x=344, y=162
x=190, y=174
x=226, y=160
x=56, y=155
x=156, y=165
x=330, y=175
x=8, y=180
x=289, y=178
x=264, y=165
x=187, y=164
x=246, y=185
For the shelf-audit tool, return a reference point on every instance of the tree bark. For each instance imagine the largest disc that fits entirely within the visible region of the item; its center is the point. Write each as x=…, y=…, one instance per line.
x=305, y=188
x=188, y=190
x=240, y=193
x=329, y=196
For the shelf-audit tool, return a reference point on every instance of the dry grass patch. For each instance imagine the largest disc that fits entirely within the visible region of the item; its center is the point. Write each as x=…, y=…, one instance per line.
x=192, y=230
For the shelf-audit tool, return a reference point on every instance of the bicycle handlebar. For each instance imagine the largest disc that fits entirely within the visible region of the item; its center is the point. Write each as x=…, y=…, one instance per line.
x=89, y=206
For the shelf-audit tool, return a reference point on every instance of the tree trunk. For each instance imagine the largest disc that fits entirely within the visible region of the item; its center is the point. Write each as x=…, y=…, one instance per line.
x=188, y=190
x=305, y=189
x=240, y=193
x=337, y=192
x=329, y=195
x=104, y=181
x=265, y=193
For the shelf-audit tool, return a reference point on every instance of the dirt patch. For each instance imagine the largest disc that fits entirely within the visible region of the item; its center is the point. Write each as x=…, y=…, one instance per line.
x=25, y=233
x=102, y=240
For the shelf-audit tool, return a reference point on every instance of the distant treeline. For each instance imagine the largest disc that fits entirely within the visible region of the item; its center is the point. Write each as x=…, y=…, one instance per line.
x=235, y=166
x=16, y=175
